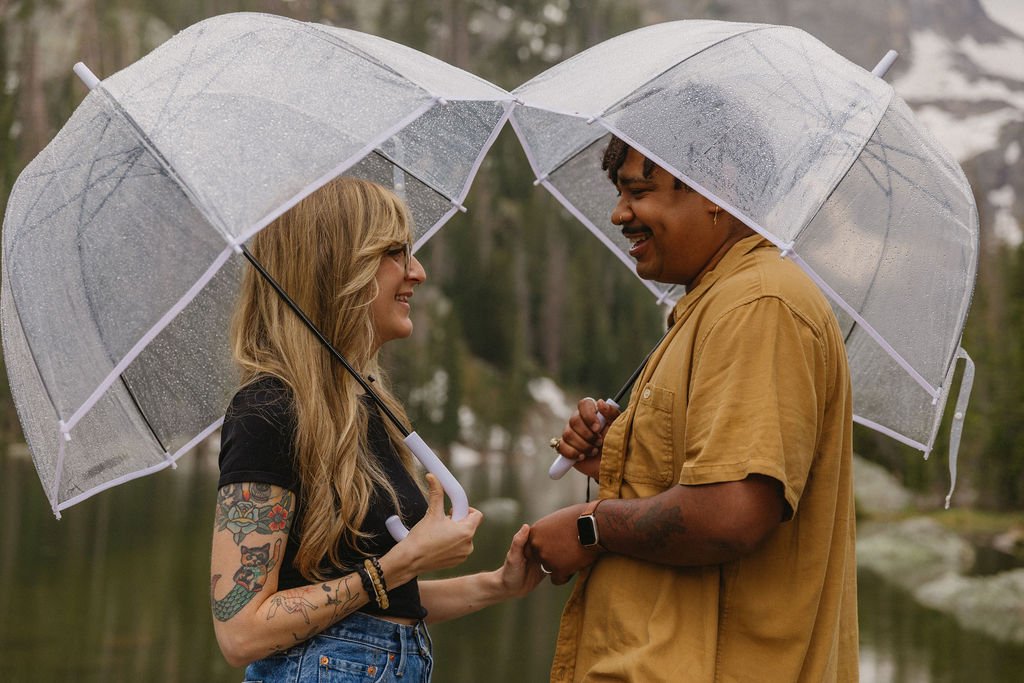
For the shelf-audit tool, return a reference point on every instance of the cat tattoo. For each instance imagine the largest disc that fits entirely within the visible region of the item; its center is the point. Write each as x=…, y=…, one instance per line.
x=249, y=580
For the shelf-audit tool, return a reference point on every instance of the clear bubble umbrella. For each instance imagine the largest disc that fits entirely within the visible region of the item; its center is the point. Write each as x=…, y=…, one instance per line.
x=814, y=153
x=123, y=239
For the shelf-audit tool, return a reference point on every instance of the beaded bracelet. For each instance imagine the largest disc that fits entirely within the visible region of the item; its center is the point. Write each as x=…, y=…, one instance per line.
x=382, y=596
x=380, y=573
x=364, y=576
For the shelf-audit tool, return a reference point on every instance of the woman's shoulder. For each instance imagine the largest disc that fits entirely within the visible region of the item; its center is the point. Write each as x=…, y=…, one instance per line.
x=266, y=397
x=257, y=434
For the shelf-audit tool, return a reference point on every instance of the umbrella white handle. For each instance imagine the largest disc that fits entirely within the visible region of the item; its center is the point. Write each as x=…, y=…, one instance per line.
x=561, y=465
x=460, y=503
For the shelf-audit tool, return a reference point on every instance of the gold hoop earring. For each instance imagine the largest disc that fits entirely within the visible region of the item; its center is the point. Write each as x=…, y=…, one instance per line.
x=715, y=221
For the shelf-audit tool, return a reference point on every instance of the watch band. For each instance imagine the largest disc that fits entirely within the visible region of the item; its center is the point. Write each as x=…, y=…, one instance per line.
x=587, y=519
x=592, y=506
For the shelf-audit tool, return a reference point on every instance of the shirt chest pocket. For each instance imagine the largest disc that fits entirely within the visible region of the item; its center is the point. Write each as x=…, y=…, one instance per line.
x=650, y=459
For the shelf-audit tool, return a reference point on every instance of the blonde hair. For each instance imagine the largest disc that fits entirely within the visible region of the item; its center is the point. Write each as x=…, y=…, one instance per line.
x=325, y=253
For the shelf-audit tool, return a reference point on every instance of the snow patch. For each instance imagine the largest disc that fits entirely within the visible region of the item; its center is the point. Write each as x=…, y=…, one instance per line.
x=432, y=396
x=529, y=446
x=463, y=457
x=1009, y=13
x=543, y=390
x=1005, y=225
x=467, y=420
x=498, y=439
x=966, y=137
x=1012, y=154
x=1003, y=59
x=934, y=74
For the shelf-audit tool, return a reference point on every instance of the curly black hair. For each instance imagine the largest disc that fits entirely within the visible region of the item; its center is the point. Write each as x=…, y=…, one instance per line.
x=615, y=155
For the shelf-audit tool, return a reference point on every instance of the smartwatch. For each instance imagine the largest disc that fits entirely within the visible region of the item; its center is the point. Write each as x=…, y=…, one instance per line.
x=586, y=526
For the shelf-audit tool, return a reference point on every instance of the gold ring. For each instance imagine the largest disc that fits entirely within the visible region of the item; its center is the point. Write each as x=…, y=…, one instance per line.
x=554, y=442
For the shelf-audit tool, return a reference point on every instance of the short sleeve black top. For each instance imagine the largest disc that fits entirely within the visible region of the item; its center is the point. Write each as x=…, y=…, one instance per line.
x=257, y=445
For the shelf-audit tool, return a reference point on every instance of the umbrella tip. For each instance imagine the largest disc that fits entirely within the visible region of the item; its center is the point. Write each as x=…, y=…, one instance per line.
x=885, y=63
x=87, y=76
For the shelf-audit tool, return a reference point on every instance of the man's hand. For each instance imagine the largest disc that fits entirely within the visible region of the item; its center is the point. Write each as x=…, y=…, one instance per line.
x=583, y=436
x=554, y=543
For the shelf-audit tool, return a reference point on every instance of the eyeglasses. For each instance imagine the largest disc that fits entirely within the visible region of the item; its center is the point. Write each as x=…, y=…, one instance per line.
x=402, y=254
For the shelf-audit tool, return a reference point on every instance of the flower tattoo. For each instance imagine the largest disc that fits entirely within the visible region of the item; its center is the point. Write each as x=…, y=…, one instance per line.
x=243, y=509
x=278, y=518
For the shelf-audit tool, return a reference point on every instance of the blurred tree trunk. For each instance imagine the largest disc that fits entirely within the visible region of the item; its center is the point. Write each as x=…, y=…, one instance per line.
x=553, y=301
x=32, y=104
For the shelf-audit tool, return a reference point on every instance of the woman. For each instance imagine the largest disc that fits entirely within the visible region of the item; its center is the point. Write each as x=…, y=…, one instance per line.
x=304, y=577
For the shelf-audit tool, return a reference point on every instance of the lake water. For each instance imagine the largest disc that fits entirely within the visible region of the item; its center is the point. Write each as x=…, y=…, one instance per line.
x=118, y=590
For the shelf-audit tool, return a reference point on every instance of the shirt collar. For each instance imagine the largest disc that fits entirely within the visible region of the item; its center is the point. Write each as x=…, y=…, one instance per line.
x=727, y=265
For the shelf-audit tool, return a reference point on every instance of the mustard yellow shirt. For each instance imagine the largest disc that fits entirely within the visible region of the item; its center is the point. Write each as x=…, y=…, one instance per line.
x=752, y=378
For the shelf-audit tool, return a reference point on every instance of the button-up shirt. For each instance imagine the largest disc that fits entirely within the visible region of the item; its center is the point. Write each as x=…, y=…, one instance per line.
x=751, y=379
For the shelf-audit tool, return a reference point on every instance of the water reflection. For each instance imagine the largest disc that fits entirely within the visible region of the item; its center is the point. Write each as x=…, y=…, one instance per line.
x=902, y=642
x=117, y=590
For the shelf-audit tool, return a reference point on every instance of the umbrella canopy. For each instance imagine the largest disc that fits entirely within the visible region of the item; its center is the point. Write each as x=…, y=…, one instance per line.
x=122, y=239
x=814, y=153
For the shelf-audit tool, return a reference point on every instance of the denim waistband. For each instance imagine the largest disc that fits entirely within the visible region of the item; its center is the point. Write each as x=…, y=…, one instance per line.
x=379, y=632
x=359, y=644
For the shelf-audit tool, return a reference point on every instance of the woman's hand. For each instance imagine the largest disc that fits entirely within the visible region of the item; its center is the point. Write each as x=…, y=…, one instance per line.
x=437, y=541
x=450, y=598
x=519, y=575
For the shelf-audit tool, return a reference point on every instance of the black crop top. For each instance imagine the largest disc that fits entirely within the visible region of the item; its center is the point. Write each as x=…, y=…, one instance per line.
x=257, y=445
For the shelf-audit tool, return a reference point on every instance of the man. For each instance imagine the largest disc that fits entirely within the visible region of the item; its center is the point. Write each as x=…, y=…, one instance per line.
x=721, y=547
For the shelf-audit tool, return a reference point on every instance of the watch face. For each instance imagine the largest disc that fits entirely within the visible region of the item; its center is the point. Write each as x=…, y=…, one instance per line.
x=586, y=528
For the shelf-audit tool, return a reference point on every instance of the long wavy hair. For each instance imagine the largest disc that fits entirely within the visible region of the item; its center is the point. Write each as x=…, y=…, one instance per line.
x=325, y=253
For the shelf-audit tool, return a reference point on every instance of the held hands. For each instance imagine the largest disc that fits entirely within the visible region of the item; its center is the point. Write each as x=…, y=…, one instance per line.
x=519, y=574
x=554, y=544
x=583, y=437
x=437, y=541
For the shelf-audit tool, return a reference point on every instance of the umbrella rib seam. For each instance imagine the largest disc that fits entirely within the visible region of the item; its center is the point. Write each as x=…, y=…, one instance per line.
x=356, y=50
x=113, y=105
x=597, y=233
x=331, y=174
x=871, y=424
x=853, y=160
x=469, y=178
x=590, y=118
x=542, y=179
x=866, y=326
x=146, y=338
x=168, y=461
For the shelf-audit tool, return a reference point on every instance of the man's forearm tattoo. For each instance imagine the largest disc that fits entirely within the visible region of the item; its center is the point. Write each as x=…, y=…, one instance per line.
x=648, y=525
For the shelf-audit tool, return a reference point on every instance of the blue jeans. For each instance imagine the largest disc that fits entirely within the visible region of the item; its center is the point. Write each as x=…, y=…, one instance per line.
x=357, y=648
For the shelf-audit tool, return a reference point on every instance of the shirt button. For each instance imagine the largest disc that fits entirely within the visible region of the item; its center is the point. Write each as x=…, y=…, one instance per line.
x=647, y=393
